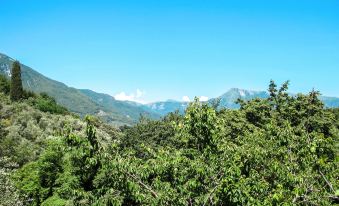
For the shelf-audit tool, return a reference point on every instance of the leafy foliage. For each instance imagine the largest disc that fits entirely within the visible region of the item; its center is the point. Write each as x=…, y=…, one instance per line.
x=150, y=133
x=45, y=103
x=10, y=195
x=58, y=175
x=276, y=151
x=5, y=85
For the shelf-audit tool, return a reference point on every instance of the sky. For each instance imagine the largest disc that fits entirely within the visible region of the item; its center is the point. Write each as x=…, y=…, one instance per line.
x=151, y=50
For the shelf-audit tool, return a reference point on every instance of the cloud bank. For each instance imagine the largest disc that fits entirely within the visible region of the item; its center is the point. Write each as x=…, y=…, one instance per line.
x=134, y=97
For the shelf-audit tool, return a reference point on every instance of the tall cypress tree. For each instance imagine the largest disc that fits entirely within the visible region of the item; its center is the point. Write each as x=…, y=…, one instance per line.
x=16, y=84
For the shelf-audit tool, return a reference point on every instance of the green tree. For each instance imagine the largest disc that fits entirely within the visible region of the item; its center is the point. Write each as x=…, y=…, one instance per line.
x=65, y=170
x=46, y=103
x=200, y=127
x=16, y=84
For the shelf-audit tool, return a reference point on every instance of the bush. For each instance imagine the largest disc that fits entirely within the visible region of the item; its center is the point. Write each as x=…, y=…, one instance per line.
x=10, y=196
x=4, y=84
x=45, y=103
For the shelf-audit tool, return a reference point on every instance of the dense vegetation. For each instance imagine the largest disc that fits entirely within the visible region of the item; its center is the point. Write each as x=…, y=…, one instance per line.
x=282, y=150
x=26, y=128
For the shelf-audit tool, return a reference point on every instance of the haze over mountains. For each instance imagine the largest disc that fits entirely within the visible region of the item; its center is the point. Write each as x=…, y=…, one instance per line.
x=85, y=101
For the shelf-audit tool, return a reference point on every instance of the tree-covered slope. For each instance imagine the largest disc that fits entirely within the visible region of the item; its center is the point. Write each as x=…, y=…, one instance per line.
x=69, y=97
x=227, y=100
x=81, y=102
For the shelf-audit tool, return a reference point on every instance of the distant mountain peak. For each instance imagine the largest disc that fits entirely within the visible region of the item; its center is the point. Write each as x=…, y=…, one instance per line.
x=240, y=93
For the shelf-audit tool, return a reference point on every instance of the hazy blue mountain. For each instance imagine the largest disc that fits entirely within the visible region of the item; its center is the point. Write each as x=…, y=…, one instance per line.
x=168, y=106
x=228, y=99
x=130, y=110
x=330, y=102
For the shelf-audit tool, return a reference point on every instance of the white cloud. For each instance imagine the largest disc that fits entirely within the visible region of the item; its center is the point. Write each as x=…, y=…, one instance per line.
x=134, y=97
x=124, y=97
x=203, y=99
x=186, y=99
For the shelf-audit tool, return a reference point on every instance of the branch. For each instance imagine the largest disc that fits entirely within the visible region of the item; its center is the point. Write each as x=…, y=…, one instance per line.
x=298, y=198
x=304, y=196
x=210, y=195
x=334, y=198
x=327, y=182
x=190, y=201
x=143, y=185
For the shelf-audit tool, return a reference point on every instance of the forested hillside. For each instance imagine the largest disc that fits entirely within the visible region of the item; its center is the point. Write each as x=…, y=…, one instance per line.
x=81, y=102
x=282, y=150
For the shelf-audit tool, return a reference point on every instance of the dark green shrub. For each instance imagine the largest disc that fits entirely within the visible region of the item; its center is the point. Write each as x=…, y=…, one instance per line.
x=46, y=103
x=4, y=84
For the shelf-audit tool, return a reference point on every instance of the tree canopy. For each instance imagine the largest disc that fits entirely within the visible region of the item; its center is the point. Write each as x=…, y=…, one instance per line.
x=276, y=151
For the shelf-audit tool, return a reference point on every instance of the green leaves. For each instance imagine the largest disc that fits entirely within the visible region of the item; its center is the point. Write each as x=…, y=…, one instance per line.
x=200, y=128
x=45, y=103
x=4, y=84
x=276, y=151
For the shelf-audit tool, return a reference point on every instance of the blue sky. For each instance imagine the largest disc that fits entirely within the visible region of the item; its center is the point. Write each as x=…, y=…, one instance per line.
x=170, y=49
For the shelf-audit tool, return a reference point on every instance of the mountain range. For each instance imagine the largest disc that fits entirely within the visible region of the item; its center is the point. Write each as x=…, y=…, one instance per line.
x=106, y=107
